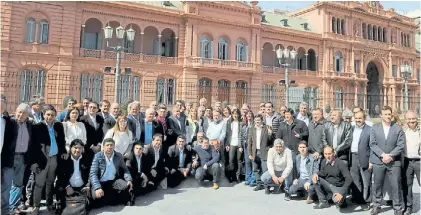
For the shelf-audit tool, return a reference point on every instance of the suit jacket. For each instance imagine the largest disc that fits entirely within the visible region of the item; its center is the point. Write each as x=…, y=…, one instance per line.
x=65, y=172
x=174, y=158
x=41, y=143
x=266, y=142
x=93, y=135
x=131, y=123
x=364, y=150
x=173, y=128
x=131, y=164
x=9, y=143
x=149, y=153
x=287, y=133
x=156, y=129
x=103, y=115
x=32, y=117
x=394, y=143
x=344, y=140
x=99, y=164
x=109, y=123
x=228, y=135
x=204, y=124
x=312, y=166
x=315, y=136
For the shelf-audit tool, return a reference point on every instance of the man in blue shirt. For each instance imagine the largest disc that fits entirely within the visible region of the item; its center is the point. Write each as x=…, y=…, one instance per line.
x=179, y=162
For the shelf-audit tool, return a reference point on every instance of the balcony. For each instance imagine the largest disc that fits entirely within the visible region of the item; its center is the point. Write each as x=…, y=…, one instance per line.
x=292, y=72
x=133, y=57
x=340, y=75
x=210, y=63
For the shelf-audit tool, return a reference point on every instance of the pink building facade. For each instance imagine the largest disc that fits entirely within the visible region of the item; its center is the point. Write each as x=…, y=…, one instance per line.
x=349, y=53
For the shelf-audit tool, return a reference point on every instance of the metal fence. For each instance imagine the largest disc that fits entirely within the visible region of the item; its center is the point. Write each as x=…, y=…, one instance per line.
x=22, y=86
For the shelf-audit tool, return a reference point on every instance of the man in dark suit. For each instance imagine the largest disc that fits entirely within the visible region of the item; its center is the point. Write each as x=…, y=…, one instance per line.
x=260, y=140
x=176, y=126
x=134, y=117
x=111, y=118
x=387, y=142
x=155, y=157
x=360, y=154
x=110, y=178
x=73, y=174
x=105, y=109
x=139, y=167
x=35, y=113
x=94, y=133
x=48, y=144
x=150, y=127
x=337, y=133
x=315, y=133
x=179, y=162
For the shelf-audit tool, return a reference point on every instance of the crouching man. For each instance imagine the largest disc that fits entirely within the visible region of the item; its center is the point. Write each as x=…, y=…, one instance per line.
x=179, y=162
x=332, y=180
x=280, y=166
x=306, y=165
x=73, y=174
x=110, y=178
x=207, y=162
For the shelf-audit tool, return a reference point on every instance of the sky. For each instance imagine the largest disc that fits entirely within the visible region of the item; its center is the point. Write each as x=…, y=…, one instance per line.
x=404, y=6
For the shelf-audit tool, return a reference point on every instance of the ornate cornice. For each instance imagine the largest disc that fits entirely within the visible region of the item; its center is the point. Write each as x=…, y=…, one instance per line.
x=280, y=31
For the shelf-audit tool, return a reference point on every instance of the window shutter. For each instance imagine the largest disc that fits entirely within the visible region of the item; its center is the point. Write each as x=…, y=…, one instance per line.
x=221, y=51
x=44, y=35
x=211, y=50
x=155, y=47
x=237, y=52
x=202, y=49
x=246, y=53
x=340, y=64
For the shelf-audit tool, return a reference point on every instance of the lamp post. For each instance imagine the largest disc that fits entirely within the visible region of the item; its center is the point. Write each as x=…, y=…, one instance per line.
x=108, y=34
x=406, y=71
x=288, y=55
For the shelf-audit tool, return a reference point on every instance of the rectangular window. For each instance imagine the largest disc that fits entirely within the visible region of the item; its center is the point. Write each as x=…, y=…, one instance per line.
x=136, y=88
x=31, y=83
x=91, y=41
x=357, y=66
x=394, y=71
x=91, y=86
x=123, y=88
x=418, y=75
x=165, y=91
x=43, y=33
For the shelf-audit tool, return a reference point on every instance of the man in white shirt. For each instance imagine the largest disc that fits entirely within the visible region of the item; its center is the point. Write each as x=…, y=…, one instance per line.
x=412, y=158
x=280, y=166
x=73, y=174
x=302, y=115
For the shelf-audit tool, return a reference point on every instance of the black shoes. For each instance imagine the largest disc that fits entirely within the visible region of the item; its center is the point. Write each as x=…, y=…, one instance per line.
x=375, y=211
x=287, y=197
x=267, y=190
x=258, y=187
x=408, y=211
x=321, y=205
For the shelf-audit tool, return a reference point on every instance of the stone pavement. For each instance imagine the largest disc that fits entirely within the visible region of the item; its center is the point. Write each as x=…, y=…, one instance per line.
x=191, y=199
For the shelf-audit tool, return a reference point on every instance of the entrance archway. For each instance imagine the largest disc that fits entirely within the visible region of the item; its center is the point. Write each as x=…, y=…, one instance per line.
x=374, y=97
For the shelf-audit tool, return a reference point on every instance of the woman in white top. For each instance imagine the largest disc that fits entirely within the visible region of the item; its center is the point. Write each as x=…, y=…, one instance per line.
x=234, y=146
x=72, y=128
x=122, y=136
x=193, y=127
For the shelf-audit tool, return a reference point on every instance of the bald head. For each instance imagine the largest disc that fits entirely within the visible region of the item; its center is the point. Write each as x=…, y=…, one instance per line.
x=115, y=109
x=411, y=119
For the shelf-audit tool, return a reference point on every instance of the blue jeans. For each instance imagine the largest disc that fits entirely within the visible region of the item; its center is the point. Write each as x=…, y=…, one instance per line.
x=6, y=183
x=267, y=179
x=17, y=183
x=250, y=177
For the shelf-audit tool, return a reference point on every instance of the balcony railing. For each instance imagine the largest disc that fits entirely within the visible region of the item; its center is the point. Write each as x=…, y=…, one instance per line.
x=134, y=57
x=218, y=63
x=291, y=71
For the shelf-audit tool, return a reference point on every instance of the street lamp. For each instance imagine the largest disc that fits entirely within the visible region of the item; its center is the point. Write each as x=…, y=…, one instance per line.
x=108, y=34
x=406, y=71
x=288, y=55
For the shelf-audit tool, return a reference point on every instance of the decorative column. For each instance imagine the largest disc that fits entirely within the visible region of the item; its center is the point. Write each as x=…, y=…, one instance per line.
x=356, y=93
x=274, y=58
x=393, y=95
x=176, y=47
x=384, y=95
x=141, y=42
x=159, y=45
x=306, y=61
x=82, y=37
x=352, y=60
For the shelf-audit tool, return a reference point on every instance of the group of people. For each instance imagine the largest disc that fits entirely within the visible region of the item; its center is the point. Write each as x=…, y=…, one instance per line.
x=110, y=156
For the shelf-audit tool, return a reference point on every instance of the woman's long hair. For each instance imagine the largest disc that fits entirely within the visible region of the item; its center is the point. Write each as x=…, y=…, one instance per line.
x=117, y=123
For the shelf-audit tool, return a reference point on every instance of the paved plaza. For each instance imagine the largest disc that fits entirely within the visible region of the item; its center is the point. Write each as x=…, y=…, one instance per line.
x=191, y=199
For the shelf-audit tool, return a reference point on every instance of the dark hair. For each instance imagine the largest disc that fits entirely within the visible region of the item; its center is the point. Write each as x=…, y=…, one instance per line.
x=156, y=135
x=93, y=102
x=386, y=107
x=109, y=140
x=303, y=142
x=162, y=106
x=205, y=138
x=49, y=107
x=260, y=116
x=360, y=109
x=209, y=108
x=75, y=142
x=228, y=108
x=290, y=110
x=236, y=110
x=67, y=118
x=138, y=143
x=181, y=137
x=105, y=101
x=271, y=104
x=87, y=98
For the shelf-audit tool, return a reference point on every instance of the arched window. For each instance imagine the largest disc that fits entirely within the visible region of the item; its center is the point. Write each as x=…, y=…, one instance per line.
x=343, y=27
x=43, y=30
x=206, y=45
x=269, y=93
x=333, y=24
x=241, y=92
x=32, y=82
x=311, y=60
x=205, y=89
x=364, y=31
x=242, y=51
x=338, y=59
x=338, y=26
x=223, y=49
x=91, y=86
x=165, y=91
x=224, y=90
x=339, y=99
x=30, y=30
